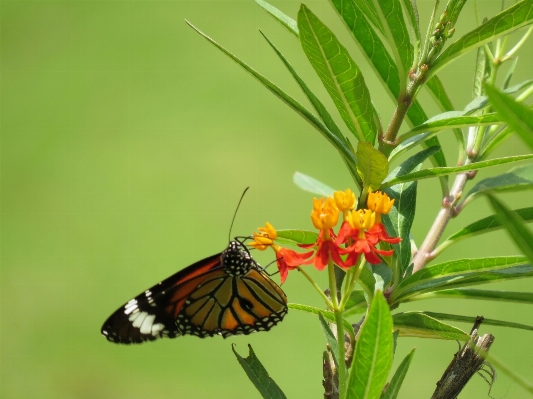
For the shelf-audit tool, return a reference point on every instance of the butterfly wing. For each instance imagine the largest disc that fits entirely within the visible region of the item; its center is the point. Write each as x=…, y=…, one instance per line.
x=152, y=314
x=232, y=305
x=211, y=297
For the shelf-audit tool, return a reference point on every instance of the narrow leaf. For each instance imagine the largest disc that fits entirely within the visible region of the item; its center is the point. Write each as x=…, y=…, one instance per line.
x=517, y=179
x=282, y=18
x=412, y=14
x=408, y=144
x=340, y=75
x=332, y=340
x=482, y=226
x=481, y=102
x=459, y=273
x=419, y=324
x=479, y=76
x=373, y=353
x=259, y=376
x=356, y=303
x=317, y=104
x=485, y=295
x=510, y=73
x=397, y=379
x=521, y=14
x=372, y=165
x=397, y=34
x=367, y=280
x=451, y=120
x=326, y=314
x=518, y=116
x=517, y=229
x=295, y=237
x=345, y=152
x=400, y=219
x=308, y=183
x=438, y=92
x=383, y=276
x=471, y=320
x=433, y=172
x=380, y=60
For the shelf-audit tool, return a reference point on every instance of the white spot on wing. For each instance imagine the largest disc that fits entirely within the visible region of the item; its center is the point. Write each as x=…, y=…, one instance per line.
x=146, y=326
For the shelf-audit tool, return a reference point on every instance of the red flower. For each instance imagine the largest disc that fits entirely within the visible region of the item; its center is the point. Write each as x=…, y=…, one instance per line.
x=290, y=260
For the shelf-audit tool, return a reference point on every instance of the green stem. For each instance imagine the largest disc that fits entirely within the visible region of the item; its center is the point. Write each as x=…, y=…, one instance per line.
x=340, y=329
x=342, y=363
x=315, y=285
x=351, y=283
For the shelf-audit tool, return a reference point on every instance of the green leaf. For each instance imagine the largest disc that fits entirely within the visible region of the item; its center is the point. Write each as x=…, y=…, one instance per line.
x=521, y=14
x=368, y=8
x=518, y=116
x=326, y=314
x=471, y=320
x=317, y=104
x=481, y=102
x=282, y=18
x=419, y=324
x=332, y=340
x=396, y=382
x=408, y=144
x=259, y=376
x=372, y=165
x=373, y=353
x=345, y=152
x=308, y=183
x=356, y=303
x=380, y=60
x=517, y=179
x=482, y=226
x=383, y=276
x=451, y=120
x=510, y=73
x=412, y=14
x=340, y=75
x=295, y=237
x=517, y=229
x=390, y=11
x=427, y=173
x=367, y=280
x=438, y=92
x=486, y=295
x=400, y=219
x=479, y=76
x=460, y=273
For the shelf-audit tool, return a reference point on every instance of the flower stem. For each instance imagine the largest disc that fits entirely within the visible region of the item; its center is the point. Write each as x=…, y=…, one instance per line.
x=315, y=285
x=340, y=329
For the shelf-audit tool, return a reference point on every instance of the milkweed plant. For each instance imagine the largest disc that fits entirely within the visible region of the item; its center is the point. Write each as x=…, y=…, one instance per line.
x=362, y=234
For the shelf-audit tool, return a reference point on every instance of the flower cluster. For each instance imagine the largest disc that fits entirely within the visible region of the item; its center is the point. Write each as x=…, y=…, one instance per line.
x=360, y=233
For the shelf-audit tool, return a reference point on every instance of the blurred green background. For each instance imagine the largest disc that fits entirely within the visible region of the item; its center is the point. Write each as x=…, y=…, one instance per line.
x=126, y=141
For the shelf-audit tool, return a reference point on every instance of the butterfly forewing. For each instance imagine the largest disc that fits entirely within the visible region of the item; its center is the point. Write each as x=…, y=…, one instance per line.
x=152, y=314
x=225, y=294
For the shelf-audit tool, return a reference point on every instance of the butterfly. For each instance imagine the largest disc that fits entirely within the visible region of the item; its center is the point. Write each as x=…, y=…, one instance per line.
x=225, y=294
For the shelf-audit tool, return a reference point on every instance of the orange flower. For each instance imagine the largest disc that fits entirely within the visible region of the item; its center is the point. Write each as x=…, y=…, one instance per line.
x=325, y=214
x=380, y=203
x=286, y=259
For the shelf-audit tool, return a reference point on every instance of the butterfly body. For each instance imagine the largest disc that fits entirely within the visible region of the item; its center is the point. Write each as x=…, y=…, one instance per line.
x=225, y=294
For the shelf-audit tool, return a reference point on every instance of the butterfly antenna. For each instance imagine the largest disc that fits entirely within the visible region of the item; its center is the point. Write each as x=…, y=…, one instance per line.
x=235, y=214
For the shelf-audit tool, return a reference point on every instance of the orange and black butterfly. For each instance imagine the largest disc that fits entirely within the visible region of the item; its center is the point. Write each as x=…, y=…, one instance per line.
x=225, y=294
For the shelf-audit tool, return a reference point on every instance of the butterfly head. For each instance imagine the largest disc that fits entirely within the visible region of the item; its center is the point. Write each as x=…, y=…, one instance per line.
x=236, y=260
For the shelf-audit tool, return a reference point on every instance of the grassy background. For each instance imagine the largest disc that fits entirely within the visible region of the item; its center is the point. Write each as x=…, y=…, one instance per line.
x=126, y=141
